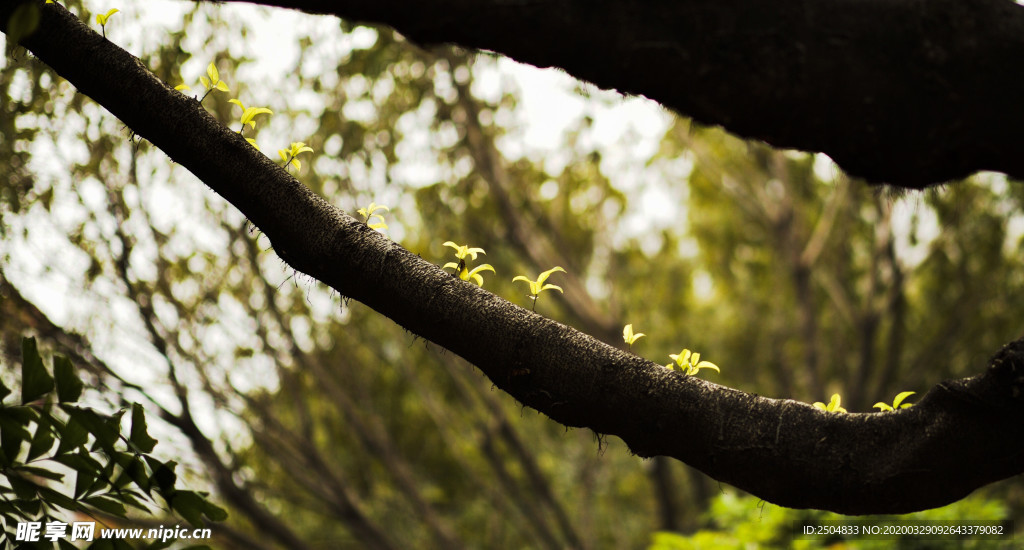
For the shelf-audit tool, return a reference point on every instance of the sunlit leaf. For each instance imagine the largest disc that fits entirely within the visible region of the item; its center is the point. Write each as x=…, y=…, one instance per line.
x=103, y=17
x=211, y=70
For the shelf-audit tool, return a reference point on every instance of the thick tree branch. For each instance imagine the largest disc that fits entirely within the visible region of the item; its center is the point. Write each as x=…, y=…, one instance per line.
x=906, y=92
x=962, y=434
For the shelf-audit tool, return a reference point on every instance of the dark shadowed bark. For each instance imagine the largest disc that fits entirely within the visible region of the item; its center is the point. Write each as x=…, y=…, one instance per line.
x=898, y=91
x=961, y=435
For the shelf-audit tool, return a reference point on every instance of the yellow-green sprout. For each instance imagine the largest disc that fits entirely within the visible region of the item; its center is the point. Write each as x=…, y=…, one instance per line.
x=102, y=18
x=896, y=403
x=214, y=82
x=289, y=155
x=368, y=214
x=461, y=269
x=249, y=114
x=833, y=404
x=538, y=286
x=689, y=363
x=466, y=274
x=253, y=143
x=461, y=251
x=629, y=337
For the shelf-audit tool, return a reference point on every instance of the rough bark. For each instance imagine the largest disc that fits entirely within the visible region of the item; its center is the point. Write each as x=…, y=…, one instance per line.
x=905, y=92
x=961, y=435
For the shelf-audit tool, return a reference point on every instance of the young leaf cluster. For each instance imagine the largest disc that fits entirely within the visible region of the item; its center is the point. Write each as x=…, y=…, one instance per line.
x=897, y=403
x=461, y=268
x=47, y=432
x=289, y=155
x=689, y=363
x=249, y=114
x=212, y=83
x=369, y=213
x=537, y=286
x=834, y=404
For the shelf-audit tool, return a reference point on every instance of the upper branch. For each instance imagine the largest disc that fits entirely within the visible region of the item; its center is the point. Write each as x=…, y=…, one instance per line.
x=962, y=435
x=899, y=91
